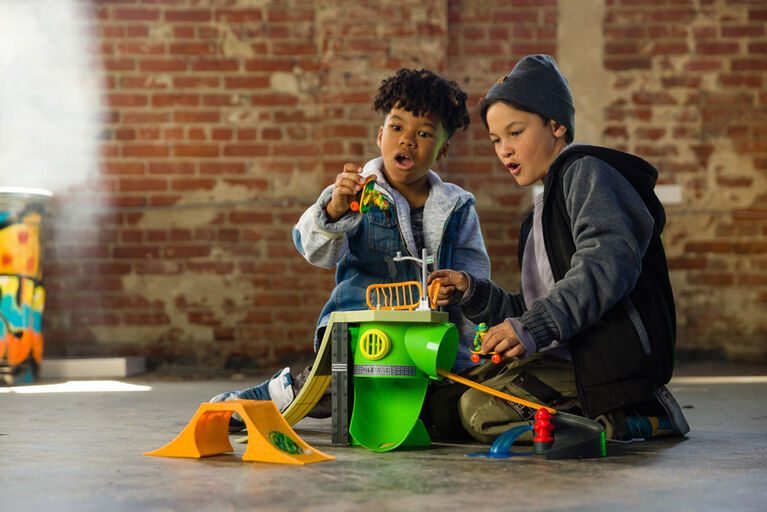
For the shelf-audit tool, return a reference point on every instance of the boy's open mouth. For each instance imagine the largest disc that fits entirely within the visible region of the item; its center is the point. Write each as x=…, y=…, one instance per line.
x=513, y=167
x=404, y=160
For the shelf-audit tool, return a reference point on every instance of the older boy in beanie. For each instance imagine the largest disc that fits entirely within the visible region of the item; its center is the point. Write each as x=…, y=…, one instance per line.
x=421, y=112
x=592, y=330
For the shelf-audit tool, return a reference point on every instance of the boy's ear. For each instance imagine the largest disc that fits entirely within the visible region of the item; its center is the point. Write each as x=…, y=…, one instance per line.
x=558, y=129
x=379, y=137
x=443, y=151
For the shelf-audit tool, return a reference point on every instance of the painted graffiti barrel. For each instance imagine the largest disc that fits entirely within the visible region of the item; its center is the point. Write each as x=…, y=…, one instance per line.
x=22, y=295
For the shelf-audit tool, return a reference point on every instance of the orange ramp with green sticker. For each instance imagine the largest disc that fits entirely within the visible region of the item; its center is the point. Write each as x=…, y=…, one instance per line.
x=270, y=438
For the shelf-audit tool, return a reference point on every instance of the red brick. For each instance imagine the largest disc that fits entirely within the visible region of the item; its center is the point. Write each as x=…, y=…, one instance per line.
x=162, y=65
x=222, y=100
x=258, y=184
x=196, y=116
x=247, y=134
x=196, y=82
x=137, y=30
x=135, y=14
x=197, y=134
x=246, y=82
x=196, y=150
x=145, y=150
x=219, y=65
x=92, y=319
x=149, y=318
x=174, y=167
x=250, y=150
x=627, y=63
x=741, y=80
x=142, y=185
x=705, y=247
x=222, y=168
x=211, y=267
x=188, y=15
x=175, y=100
x=756, y=64
x=126, y=100
x=717, y=48
x=239, y=15
x=734, y=181
x=710, y=278
x=136, y=252
x=687, y=263
x=123, y=168
x=274, y=99
x=290, y=15
x=750, y=247
x=187, y=184
x=139, y=117
x=192, y=49
x=140, y=48
x=186, y=251
x=269, y=64
x=743, y=31
x=250, y=218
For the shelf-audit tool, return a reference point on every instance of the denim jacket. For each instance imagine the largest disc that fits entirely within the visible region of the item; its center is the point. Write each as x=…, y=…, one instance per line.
x=362, y=247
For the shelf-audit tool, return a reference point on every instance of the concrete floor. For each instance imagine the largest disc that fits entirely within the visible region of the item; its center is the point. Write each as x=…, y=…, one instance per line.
x=83, y=451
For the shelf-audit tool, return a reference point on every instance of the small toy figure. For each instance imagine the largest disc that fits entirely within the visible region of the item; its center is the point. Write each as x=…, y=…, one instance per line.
x=476, y=346
x=369, y=195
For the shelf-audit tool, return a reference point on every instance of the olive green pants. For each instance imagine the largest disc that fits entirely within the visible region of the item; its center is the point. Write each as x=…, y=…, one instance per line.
x=454, y=411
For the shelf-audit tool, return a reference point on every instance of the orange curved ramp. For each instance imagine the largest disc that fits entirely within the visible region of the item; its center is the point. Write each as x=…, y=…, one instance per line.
x=270, y=438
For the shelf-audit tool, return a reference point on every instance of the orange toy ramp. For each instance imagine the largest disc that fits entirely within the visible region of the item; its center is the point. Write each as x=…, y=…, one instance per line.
x=270, y=438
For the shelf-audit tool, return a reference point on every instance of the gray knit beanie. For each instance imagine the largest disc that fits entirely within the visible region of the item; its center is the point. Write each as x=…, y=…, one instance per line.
x=537, y=85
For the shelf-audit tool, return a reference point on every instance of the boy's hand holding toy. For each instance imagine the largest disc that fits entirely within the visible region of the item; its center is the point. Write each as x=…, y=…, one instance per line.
x=501, y=338
x=452, y=285
x=348, y=183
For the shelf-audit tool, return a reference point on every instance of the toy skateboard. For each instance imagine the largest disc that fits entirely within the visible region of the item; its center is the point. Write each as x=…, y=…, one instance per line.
x=476, y=345
x=369, y=196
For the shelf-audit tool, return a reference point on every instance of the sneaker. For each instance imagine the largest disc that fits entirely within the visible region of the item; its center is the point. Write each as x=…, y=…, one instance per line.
x=674, y=412
x=278, y=389
x=648, y=427
x=647, y=421
x=281, y=389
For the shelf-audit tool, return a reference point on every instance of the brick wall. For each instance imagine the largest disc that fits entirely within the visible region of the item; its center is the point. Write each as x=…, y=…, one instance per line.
x=222, y=121
x=689, y=94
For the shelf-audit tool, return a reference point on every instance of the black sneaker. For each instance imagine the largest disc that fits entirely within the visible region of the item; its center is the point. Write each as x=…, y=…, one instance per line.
x=674, y=412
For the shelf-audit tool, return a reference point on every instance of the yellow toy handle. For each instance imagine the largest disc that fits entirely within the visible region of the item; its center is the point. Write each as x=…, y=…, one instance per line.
x=494, y=392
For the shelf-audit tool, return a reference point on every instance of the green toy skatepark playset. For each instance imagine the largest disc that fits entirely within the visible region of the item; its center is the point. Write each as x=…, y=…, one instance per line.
x=379, y=363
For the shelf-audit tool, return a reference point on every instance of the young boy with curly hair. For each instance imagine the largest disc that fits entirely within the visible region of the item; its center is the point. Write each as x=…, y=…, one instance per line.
x=421, y=112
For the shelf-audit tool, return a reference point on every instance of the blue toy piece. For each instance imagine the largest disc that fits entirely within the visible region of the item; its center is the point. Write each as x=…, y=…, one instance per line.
x=501, y=448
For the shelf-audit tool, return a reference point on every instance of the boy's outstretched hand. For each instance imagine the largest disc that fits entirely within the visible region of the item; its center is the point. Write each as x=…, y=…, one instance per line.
x=347, y=184
x=452, y=284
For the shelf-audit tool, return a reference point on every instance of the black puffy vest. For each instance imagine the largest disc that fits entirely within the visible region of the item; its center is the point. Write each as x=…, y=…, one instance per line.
x=611, y=367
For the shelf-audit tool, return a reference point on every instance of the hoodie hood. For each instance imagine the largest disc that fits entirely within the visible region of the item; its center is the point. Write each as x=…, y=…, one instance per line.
x=640, y=173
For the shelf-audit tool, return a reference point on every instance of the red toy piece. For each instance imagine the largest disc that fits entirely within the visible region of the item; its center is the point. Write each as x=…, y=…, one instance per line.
x=543, y=427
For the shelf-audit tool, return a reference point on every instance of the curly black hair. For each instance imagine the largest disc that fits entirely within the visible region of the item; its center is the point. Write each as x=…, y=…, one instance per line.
x=424, y=92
